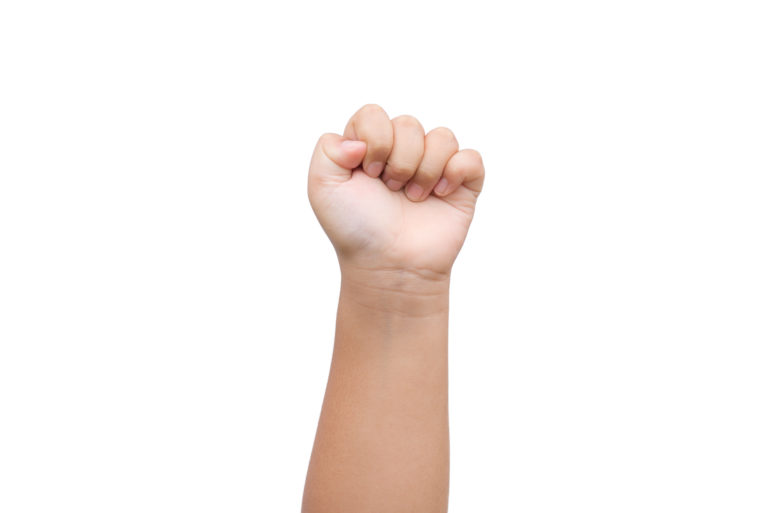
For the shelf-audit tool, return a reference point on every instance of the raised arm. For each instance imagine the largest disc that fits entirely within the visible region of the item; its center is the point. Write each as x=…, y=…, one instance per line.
x=396, y=204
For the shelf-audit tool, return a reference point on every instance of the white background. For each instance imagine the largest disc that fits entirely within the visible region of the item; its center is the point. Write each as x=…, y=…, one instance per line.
x=167, y=298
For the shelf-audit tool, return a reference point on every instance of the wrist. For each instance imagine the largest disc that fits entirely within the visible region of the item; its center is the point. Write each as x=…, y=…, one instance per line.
x=396, y=291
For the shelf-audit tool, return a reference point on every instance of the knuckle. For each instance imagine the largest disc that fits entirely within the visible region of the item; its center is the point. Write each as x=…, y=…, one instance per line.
x=445, y=135
x=325, y=136
x=407, y=121
x=474, y=157
x=325, y=140
x=370, y=108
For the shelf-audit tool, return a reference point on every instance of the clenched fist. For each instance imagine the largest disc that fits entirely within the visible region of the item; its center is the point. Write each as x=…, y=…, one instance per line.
x=392, y=198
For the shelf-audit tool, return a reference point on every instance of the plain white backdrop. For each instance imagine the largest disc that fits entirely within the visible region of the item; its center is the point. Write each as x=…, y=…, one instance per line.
x=167, y=298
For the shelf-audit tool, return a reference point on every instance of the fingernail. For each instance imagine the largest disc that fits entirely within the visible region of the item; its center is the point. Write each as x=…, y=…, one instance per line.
x=441, y=186
x=394, y=184
x=414, y=191
x=375, y=169
x=352, y=146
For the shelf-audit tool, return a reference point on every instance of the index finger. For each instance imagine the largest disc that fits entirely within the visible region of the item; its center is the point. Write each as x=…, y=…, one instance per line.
x=372, y=125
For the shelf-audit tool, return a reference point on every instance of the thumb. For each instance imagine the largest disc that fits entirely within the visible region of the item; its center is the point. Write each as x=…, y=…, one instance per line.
x=335, y=157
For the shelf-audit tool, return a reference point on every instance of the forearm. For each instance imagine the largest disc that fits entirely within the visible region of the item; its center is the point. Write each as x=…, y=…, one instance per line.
x=382, y=440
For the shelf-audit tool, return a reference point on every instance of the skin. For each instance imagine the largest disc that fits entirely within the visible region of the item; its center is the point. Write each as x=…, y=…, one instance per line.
x=396, y=204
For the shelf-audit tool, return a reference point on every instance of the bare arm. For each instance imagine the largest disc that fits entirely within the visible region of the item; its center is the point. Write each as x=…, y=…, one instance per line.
x=382, y=440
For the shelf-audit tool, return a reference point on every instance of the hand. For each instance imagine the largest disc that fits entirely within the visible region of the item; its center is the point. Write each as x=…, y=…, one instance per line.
x=392, y=198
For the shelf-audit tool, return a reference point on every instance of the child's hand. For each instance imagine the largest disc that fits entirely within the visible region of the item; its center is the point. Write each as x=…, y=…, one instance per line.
x=391, y=198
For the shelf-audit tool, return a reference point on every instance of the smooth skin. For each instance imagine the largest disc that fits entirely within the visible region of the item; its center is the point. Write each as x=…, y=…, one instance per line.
x=396, y=204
